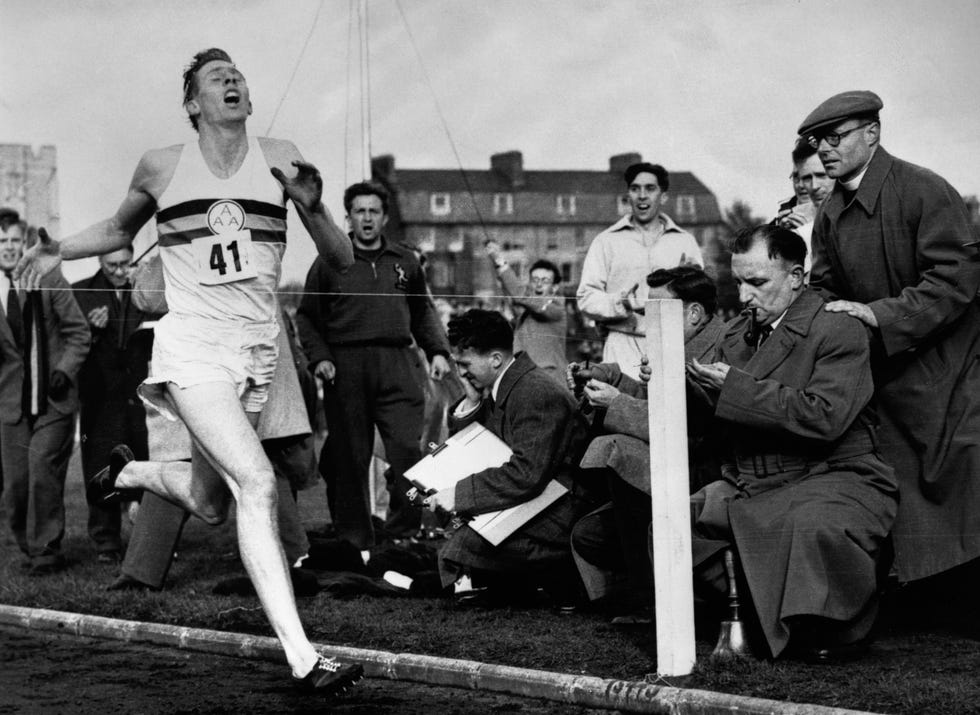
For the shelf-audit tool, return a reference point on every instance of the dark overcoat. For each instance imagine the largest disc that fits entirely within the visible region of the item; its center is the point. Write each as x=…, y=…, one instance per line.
x=626, y=449
x=900, y=246
x=539, y=420
x=807, y=502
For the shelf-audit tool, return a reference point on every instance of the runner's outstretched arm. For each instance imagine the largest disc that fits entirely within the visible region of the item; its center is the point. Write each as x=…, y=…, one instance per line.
x=104, y=237
x=305, y=190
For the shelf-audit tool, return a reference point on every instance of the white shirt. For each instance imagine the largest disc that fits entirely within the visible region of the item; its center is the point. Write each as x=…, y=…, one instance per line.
x=621, y=257
x=4, y=290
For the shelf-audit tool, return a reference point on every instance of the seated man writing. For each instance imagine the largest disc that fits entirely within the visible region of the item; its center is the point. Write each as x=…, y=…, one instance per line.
x=610, y=543
x=538, y=419
x=807, y=503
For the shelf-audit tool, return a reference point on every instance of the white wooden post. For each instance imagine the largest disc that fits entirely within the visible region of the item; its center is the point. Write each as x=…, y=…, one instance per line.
x=669, y=488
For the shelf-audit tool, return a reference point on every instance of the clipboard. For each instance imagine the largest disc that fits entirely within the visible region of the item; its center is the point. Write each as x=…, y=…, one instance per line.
x=473, y=449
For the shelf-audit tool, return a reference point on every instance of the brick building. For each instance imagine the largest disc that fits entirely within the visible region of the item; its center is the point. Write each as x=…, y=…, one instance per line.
x=29, y=184
x=448, y=214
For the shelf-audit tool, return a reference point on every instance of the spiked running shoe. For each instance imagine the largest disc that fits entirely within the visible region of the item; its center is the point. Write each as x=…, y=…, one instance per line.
x=331, y=677
x=105, y=479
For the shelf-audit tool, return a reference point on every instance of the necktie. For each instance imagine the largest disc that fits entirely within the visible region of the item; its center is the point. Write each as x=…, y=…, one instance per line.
x=764, y=332
x=123, y=296
x=15, y=316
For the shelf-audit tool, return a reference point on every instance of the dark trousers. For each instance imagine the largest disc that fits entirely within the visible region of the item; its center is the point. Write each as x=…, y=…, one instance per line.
x=159, y=524
x=103, y=426
x=616, y=539
x=375, y=386
x=35, y=458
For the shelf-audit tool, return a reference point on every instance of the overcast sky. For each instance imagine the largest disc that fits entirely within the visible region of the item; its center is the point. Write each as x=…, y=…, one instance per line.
x=715, y=87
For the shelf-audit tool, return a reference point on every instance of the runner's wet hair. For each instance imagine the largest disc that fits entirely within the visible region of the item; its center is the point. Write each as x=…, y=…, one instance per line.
x=190, y=74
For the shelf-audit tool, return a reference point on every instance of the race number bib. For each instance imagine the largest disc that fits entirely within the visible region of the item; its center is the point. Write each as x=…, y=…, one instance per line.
x=224, y=258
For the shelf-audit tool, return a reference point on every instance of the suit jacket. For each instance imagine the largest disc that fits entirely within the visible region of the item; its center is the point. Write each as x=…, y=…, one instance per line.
x=68, y=339
x=538, y=418
x=901, y=246
x=118, y=360
x=626, y=449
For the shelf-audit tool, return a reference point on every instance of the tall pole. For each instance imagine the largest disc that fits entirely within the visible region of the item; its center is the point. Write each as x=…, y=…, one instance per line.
x=670, y=488
x=365, y=56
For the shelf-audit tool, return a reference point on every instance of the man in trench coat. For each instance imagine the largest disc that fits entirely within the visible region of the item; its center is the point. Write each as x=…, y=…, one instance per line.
x=807, y=503
x=892, y=245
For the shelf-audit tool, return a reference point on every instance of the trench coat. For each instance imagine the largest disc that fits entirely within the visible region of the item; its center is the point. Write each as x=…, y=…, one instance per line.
x=900, y=246
x=808, y=502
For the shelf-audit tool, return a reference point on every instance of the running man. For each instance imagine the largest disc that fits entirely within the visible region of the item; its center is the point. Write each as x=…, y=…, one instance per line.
x=220, y=206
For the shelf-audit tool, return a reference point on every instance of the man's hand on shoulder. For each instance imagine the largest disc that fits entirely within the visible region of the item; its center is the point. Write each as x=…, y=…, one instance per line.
x=37, y=261
x=860, y=311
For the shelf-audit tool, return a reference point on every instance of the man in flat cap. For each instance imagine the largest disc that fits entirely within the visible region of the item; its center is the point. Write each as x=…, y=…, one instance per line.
x=891, y=248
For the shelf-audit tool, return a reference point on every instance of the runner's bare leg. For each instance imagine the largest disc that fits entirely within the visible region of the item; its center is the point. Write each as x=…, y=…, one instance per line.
x=194, y=486
x=214, y=417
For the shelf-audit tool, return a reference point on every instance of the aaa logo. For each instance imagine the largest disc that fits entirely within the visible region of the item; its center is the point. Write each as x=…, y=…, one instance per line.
x=226, y=217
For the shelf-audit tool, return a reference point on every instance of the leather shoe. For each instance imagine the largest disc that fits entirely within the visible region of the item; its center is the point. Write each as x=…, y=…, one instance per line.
x=48, y=566
x=128, y=583
x=493, y=597
x=834, y=654
x=109, y=558
x=105, y=479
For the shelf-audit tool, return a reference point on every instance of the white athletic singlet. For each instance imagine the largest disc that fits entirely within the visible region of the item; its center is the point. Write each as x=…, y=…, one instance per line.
x=222, y=240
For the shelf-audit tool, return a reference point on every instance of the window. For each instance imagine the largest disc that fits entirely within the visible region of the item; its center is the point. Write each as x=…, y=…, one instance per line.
x=503, y=203
x=457, y=243
x=427, y=240
x=579, y=238
x=439, y=273
x=686, y=210
x=565, y=205
x=566, y=273
x=439, y=204
x=623, y=205
x=552, y=239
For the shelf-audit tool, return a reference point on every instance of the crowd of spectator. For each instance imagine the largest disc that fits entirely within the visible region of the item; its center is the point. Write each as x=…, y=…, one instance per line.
x=832, y=427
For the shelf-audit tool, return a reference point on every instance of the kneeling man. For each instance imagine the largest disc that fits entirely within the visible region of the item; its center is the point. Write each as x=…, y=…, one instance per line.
x=538, y=419
x=808, y=502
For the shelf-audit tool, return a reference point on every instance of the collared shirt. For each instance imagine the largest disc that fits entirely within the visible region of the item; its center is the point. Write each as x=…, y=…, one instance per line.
x=4, y=290
x=622, y=256
x=775, y=324
x=496, y=383
x=853, y=184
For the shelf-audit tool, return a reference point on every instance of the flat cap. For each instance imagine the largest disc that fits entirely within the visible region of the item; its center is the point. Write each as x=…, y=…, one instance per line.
x=840, y=107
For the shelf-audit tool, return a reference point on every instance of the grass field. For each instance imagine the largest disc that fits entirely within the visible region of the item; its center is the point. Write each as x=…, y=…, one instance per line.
x=925, y=659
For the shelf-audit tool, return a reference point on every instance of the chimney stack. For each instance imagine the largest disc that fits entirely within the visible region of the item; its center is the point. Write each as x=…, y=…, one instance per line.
x=510, y=166
x=619, y=163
